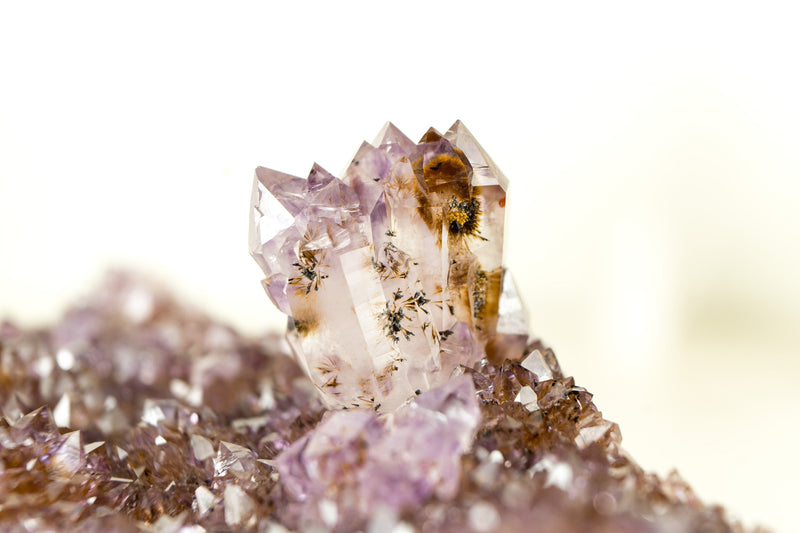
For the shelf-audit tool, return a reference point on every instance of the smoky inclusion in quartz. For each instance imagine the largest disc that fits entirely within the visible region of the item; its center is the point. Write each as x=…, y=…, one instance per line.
x=392, y=275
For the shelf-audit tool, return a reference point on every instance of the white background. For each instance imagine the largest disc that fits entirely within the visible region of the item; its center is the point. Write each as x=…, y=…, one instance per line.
x=653, y=153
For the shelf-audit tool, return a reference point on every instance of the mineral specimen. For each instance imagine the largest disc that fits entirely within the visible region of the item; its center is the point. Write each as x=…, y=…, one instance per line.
x=135, y=413
x=391, y=276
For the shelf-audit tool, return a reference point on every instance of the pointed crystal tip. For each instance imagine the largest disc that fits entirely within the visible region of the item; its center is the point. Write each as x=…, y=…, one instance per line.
x=390, y=135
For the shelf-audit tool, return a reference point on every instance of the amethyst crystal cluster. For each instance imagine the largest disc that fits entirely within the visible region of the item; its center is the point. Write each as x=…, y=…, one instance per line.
x=437, y=414
x=391, y=276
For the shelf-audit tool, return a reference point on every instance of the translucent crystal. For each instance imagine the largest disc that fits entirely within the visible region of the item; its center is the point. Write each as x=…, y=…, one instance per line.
x=239, y=507
x=204, y=500
x=234, y=459
x=398, y=461
x=68, y=454
x=378, y=270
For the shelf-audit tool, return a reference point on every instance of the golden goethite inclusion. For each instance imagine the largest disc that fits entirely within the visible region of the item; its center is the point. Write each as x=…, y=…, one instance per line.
x=391, y=276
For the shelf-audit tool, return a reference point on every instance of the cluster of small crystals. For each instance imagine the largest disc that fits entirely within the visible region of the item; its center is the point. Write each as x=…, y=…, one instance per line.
x=392, y=275
x=135, y=414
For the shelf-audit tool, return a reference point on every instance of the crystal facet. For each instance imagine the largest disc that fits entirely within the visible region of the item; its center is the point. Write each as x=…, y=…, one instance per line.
x=418, y=447
x=390, y=268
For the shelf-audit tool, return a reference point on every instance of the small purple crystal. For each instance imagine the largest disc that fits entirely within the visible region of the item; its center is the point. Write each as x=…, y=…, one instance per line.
x=397, y=461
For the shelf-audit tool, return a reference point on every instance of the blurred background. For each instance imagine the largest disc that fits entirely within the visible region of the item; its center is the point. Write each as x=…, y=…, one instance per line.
x=653, y=152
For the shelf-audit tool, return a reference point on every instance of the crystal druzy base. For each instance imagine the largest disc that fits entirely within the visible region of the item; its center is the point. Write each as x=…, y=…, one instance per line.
x=134, y=413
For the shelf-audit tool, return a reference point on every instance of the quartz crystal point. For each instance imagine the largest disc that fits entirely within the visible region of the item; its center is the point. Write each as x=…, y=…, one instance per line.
x=391, y=276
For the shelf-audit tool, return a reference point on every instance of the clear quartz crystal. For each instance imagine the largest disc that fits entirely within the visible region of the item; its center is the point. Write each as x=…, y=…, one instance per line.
x=388, y=271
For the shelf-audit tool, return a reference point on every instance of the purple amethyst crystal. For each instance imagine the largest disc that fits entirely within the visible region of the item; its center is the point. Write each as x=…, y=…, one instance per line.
x=396, y=462
x=378, y=270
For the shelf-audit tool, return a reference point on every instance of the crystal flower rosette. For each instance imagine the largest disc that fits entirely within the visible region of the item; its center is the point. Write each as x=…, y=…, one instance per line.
x=391, y=276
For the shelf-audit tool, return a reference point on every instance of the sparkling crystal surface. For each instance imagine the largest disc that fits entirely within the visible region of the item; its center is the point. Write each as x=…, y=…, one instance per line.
x=179, y=424
x=389, y=268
